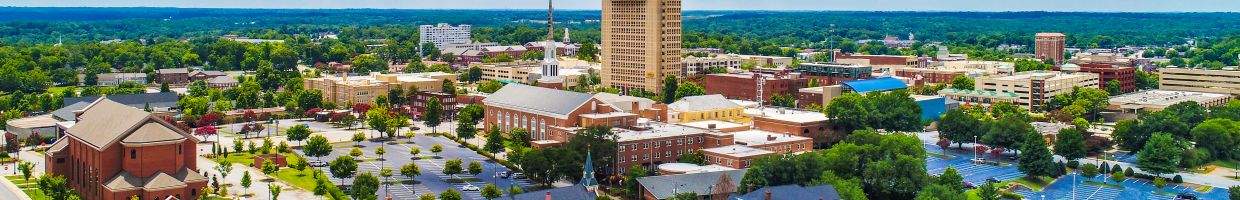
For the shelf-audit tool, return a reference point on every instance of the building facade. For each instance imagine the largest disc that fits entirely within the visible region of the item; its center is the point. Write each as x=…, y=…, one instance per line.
x=1224, y=81
x=641, y=43
x=1125, y=76
x=173, y=76
x=1049, y=46
x=114, y=79
x=700, y=65
x=705, y=107
x=115, y=152
x=550, y=115
x=801, y=123
x=443, y=35
x=655, y=143
x=744, y=86
x=1035, y=88
x=347, y=90
x=831, y=74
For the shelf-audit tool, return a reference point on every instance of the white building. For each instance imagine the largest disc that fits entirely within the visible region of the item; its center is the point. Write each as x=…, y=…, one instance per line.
x=697, y=65
x=443, y=34
x=1036, y=88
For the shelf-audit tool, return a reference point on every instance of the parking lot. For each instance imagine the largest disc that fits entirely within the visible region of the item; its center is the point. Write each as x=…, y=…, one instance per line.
x=975, y=173
x=1094, y=188
x=432, y=180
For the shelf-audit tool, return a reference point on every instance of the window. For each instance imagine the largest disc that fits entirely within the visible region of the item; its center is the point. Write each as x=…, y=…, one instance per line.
x=133, y=154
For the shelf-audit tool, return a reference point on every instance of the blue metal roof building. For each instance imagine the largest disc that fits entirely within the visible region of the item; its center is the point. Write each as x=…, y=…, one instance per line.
x=880, y=84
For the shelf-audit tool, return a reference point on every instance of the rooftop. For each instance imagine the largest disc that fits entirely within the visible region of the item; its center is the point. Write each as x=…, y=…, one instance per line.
x=788, y=115
x=552, y=102
x=978, y=93
x=761, y=137
x=702, y=103
x=1040, y=74
x=652, y=130
x=33, y=122
x=739, y=151
x=791, y=192
x=1164, y=98
x=705, y=124
x=663, y=187
x=876, y=84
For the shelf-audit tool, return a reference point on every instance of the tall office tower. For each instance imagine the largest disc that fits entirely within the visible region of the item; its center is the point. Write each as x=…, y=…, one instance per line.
x=550, y=66
x=641, y=43
x=1049, y=46
x=443, y=34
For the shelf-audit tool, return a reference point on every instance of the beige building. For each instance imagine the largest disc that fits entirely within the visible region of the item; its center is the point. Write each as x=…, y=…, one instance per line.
x=1225, y=81
x=528, y=71
x=1036, y=88
x=1157, y=100
x=697, y=65
x=344, y=90
x=641, y=43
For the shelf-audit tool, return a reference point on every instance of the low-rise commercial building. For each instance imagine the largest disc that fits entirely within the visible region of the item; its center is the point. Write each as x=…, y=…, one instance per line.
x=734, y=156
x=1125, y=76
x=780, y=143
x=549, y=115
x=802, y=123
x=1035, y=88
x=347, y=90
x=944, y=72
x=978, y=97
x=173, y=76
x=880, y=62
x=530, y=72
x=114, y=79
x=699, y=65
x=1223, y=81
x=1157, y=100
x=651, y=144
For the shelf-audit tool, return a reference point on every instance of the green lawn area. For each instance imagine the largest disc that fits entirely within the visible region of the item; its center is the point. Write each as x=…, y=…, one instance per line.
x=1035, y=185
x=31, y=188
x=1227, y=163
x=57, y=89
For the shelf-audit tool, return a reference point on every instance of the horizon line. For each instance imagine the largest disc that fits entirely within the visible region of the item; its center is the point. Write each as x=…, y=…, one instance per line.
x=578, y=9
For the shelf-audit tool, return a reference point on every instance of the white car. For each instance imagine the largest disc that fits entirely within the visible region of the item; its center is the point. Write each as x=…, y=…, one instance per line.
x=469, y=188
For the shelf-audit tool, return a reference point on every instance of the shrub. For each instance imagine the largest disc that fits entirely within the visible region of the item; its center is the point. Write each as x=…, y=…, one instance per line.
x=1128, y=172
x=356, y=152
x=1179, y=179
x=1074, y=164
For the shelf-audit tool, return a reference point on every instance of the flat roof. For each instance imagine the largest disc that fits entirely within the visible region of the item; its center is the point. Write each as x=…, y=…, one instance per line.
x=1163, y=98
x=737, y=150
x=705, y=124
x=652, y=130
x=34, y=122
x=785, y=114
x=761, y=137
x=1051, y=75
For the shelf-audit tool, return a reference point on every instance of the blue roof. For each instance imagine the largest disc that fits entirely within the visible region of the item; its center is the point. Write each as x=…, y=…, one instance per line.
x=875, y=85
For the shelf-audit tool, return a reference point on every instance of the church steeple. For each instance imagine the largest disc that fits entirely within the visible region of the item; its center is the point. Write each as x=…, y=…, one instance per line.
x=550, y=66
x=587, y=173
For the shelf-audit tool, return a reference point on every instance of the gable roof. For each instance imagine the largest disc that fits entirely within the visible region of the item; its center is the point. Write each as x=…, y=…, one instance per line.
x=538, y=100
x=67, y=113
x=207, y=73
x=791, y=192
x=575, y=191
x=702, y=103
x=221, y=80
x=124, y=182
x=162, y=181
x=663, y=187
x=152, y=133
x=625, y=103
x=875, y=84
x=105, y=122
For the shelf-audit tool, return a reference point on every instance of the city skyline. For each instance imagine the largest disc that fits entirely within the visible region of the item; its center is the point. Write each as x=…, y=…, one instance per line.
x=788, y=5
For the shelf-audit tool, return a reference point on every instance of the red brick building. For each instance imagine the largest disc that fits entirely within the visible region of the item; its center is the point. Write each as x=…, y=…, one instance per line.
x=117, y=152
x=734, y=156
x=549, y=115
x=173, y=76
x=1049, y=46
x=922, y=76
x=797, y=122
x=446, y=101
x=745, y=87
x=656, y=143
x=831, y=74
x=1126, y=76
x=752, y=144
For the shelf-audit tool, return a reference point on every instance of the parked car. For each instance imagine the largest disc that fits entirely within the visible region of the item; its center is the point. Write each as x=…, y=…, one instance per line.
x=969, y=185
x=469, y=188
x=317, y=163
x=1185, y=196
x=518, y=175
x=503, y=174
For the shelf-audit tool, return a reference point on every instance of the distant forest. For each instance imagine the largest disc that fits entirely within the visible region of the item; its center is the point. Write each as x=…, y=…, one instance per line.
x=801, y=29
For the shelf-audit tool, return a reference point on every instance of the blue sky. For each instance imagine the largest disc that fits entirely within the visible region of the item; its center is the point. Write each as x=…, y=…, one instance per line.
x=864, y=5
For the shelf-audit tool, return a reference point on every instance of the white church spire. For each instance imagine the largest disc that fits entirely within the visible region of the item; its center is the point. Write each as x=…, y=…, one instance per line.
x=550, y=66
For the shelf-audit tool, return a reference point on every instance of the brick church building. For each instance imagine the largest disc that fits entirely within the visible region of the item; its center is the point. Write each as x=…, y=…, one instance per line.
x=117, y=152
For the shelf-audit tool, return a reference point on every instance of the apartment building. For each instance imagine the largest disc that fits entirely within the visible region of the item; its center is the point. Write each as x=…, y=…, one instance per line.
x=744, y=86
x=443, y=35
x=699, y=65
x=653, y=143
x=1049, y=46
x=641, y=43
x=831, y=73
x=1223, y=81
x=347, y=90
x=1035, y=88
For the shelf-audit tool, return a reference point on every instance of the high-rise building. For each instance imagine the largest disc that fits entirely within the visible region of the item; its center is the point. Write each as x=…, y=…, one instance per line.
x=443, y=34
x=1049, y=46
x=641, y=43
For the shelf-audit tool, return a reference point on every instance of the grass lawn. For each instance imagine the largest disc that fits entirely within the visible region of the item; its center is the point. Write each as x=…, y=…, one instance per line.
x=31, y=187
x=1227, y=163
x=300, y=179
x=1034, y=184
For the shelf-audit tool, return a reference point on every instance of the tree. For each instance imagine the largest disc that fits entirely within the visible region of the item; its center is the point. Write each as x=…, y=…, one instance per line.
x=962, y=82
x=452, y=166
x=432, y=117
x=514, y=190
x=784, y=100
x=913, y=177
x=490, y=86
x=588, y=52
x=960, y=127
x=26, y=169
x=473, y=74
x=365, y=187
x=435, y=149
x=951, y=179
x=1219, y=137
x=275, y=191
x=298, y=132
x=410, y=170
x=379, y=152
x=343, y=167
x=466, y=125
x=367, y=63
x=55, y=187
x=1235, y=192
x=495, y=141
x=449, y=86
x=475, y=167
x=1113, y=88
x=988, y=191
x=377, y=119
x=317, y=147
x=245, y=181
x=937, y=192
x=1070, y=143
x=694, y=157
x=1089, y=170
x=1000, y=134
x=692, y=89
x=490, y=191
x=427, y=197
x=358, y=138
x=224, y=168
x=269, y=167
x=670, y=86
x=451, y=194
x=1035, y=159
x=1161, y=155
x=684, y=196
